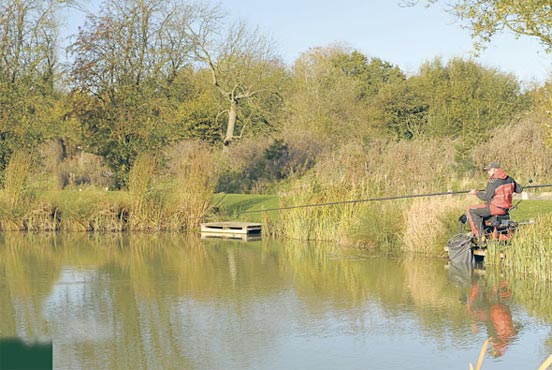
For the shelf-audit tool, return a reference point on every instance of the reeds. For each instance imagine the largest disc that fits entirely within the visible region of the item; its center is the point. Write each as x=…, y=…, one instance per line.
x=431, y=222
x=544, y=366
x=16, y=178
x=530, y=252
x=140, y=181
x=172, y=198
x=481, y=356
x=328, y=223
x=194, y=172
x=355, y=172
x=523, y=151
x=178, y=198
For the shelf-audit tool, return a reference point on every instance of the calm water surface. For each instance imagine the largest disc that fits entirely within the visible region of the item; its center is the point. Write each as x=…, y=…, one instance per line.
x=168, y=302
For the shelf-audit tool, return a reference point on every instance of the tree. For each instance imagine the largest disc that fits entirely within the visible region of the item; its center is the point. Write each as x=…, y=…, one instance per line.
x=400, y=110
x=467, y=99
x=28, y=38
x=373, y=73
x=486, y=18
x=325, y=97
x=244, y=69
x=126, y=89
x=461, y=100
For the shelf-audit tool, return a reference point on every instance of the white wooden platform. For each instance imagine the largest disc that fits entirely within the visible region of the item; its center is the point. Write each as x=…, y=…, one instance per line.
x=236, y=230
x=242, y=237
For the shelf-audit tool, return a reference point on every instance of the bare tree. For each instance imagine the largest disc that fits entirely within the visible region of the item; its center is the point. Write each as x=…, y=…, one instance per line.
x=129, y=43
x=243, y=67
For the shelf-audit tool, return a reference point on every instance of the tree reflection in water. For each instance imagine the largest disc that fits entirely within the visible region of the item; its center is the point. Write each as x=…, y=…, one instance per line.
x=153, y=301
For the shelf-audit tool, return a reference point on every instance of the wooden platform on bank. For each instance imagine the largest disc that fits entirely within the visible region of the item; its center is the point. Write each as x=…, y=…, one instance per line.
x=234, y=230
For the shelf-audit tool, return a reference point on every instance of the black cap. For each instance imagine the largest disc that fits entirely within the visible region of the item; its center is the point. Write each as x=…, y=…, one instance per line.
x=491, y=165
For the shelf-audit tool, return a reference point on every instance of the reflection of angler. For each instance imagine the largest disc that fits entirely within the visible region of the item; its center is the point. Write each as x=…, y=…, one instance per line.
x=495, y=314
x=503, y=326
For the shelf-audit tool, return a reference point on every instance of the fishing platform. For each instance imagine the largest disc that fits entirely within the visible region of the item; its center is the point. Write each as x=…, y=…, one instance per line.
x=231, y=230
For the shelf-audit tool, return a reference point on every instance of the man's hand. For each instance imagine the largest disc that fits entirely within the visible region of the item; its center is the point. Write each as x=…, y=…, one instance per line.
x=473, y=191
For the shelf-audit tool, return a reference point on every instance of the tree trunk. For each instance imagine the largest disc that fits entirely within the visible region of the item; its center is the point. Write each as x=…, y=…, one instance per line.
x=232, y=115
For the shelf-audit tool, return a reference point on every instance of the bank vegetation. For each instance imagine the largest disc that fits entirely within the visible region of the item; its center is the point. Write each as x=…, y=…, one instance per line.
x=161, y=105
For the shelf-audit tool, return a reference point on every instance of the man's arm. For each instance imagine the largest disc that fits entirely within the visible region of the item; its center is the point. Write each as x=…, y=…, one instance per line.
x=489, y=192
x=517, y=187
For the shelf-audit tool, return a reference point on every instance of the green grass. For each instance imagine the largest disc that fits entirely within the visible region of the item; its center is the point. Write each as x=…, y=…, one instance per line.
x=233, y=206
x=528, y=209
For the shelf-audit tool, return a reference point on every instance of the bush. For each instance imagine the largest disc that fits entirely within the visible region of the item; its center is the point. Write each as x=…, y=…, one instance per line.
x=521, y=148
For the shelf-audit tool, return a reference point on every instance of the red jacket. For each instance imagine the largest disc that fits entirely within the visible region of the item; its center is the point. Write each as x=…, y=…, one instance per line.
x=499, y=192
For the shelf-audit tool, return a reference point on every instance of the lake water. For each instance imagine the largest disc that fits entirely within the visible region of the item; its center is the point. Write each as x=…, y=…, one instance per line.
x=170, y=302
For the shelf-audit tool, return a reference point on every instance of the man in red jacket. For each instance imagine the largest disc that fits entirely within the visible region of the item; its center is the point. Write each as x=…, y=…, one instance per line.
x=497, y=197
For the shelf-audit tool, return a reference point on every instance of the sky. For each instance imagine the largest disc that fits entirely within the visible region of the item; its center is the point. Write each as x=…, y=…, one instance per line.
x=403, y=36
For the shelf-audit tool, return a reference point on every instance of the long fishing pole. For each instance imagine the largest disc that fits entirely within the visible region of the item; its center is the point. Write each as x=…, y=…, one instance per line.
x=382, y=199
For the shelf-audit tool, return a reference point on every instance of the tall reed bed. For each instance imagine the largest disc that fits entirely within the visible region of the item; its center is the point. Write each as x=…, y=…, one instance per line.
x=194, y=172
x=144, y=211
x=89, y=210
x=356, y=171
x=381, y=227
x=92, y=210
x=431, y=222
x=16, y=178
x=15, y=195
x=530, y=253
x=174, y=197
x=329, y=223
x=174, y=194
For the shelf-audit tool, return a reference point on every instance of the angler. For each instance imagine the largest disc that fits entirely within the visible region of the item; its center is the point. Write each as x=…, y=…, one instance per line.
x=497, y=197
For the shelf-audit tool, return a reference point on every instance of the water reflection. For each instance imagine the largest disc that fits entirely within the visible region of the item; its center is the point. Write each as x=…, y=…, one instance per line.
x=488, y=307
x=163, y=302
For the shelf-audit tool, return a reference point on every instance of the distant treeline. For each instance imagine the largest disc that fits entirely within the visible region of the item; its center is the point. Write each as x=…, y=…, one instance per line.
x=143, y=76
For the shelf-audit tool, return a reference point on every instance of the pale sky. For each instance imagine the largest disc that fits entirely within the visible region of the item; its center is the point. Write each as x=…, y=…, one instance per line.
x=404, y=36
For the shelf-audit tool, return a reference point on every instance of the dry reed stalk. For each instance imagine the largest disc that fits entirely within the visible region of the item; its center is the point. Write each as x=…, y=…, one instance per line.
x=194, y=169
x=140, y=181
x=17, y=176
x=546, y=364
x=481, y=356
x=42, y=217
x=8, y=224
x=107, y=217
x=426, y=222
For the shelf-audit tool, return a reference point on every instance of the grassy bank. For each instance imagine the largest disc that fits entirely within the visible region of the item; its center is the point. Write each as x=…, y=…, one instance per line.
x=420, y=226
x=94, y=210
x=161, y=195
x=423, y=225
x=414, y=222
x=179, y=194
